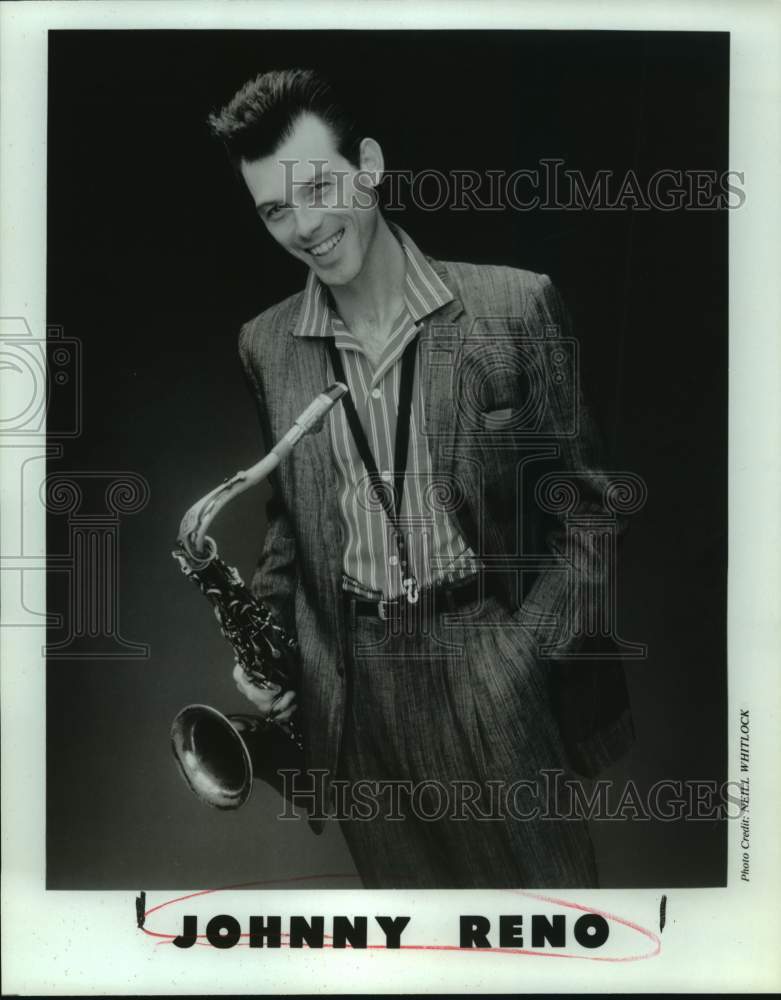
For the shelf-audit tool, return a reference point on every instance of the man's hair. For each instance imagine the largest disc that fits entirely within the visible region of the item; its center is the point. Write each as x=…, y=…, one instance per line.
x=265, y=111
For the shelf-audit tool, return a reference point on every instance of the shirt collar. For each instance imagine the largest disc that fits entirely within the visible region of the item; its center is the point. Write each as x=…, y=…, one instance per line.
x=424, y=293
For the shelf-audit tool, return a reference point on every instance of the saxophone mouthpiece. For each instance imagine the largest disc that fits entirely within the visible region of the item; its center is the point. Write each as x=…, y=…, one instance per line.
x=312, y=417
x=336, y=391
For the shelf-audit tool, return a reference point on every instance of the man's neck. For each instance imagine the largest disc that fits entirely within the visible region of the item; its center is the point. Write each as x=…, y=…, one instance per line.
x=374, y=298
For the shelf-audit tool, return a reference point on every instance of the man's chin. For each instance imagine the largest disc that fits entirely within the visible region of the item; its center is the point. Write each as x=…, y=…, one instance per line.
x=335, y=277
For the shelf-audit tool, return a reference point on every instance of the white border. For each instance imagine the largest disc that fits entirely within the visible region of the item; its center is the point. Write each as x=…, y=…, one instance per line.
x=70, y=943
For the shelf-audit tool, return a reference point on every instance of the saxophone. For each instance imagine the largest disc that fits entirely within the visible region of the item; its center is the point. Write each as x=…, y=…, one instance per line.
x=219, y=755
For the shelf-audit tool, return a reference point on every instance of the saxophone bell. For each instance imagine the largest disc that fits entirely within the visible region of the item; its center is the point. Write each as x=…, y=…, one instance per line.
x=220, y=756
x=213, y=754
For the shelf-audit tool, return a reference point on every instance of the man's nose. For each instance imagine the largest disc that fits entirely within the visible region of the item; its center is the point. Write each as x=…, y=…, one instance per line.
x=307, y=222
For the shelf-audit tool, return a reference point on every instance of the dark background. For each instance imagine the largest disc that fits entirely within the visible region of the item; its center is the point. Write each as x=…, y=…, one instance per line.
x=155, y=257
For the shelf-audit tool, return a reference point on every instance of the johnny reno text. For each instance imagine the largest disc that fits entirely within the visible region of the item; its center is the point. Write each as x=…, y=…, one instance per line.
x=589, y=930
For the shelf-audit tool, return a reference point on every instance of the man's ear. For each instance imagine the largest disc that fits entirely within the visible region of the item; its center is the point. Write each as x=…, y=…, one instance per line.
x=372, y=161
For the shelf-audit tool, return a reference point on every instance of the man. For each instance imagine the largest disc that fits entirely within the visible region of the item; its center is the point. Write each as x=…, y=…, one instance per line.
x=397, y=536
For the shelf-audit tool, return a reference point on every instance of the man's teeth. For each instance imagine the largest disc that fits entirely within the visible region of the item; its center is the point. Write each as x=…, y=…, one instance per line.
x=322, y=248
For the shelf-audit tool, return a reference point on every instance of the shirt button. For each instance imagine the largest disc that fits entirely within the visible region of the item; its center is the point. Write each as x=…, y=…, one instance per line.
x=376, y=393
x=394, y=560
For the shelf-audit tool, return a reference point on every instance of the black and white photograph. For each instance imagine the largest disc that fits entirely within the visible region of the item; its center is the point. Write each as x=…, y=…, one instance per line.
x=480, y=598
x=381, y=421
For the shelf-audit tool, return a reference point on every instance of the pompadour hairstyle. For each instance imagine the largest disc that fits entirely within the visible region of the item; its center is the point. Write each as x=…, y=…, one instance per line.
x=264, y=112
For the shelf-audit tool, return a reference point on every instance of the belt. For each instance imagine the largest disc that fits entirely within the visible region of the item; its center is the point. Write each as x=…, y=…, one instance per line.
x=441, y=597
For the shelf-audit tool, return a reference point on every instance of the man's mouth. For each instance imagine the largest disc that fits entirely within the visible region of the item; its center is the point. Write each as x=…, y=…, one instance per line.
x=327, y=245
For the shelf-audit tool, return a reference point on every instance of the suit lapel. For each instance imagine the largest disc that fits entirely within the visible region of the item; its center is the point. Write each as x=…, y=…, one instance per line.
x=441, y=339
x=315, y=477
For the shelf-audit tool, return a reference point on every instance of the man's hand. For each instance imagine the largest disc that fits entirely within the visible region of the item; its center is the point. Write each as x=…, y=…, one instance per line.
x=269, y=701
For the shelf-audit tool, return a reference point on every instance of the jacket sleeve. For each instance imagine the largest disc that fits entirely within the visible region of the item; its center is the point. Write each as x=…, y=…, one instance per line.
x=590, y=695
x=275, y=576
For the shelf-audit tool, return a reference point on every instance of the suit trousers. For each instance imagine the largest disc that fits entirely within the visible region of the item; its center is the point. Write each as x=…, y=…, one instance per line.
x=452, y=759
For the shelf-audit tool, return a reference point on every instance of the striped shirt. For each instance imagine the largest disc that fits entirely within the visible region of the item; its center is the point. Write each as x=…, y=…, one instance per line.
x=436, y=550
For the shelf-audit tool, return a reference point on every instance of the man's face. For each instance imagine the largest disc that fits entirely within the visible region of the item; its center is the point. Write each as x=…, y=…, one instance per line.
x=314, y=202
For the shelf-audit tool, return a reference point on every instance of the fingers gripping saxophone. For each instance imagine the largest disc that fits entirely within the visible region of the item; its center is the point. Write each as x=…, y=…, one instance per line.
x=217, y=754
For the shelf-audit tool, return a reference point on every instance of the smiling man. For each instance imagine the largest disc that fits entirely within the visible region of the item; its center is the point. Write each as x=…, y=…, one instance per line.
x=431, y=654
x=322, y=210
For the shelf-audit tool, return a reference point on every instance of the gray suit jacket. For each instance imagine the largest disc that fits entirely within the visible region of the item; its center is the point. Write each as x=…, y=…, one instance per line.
x=495, y=390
